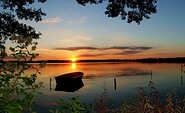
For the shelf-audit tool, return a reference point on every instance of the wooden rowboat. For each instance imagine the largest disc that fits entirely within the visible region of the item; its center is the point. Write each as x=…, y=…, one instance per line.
x=69, y=82
x=71, y=76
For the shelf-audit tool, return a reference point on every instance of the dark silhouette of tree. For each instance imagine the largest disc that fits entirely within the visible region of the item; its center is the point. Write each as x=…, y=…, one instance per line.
x=11, y=12
x=130, y=10
x=17, y=88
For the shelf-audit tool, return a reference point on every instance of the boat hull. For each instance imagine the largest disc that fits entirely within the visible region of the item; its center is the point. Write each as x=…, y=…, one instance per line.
x=69, y=82
x=69, y=85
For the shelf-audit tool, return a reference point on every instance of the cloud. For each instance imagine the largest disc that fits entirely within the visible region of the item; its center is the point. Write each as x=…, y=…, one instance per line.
x=91, y=55
x=128, y=52
x=76, y=48
x=120, y=53
x=131, y=48
x=58, y=19
x=115, y=50
x=52, y=20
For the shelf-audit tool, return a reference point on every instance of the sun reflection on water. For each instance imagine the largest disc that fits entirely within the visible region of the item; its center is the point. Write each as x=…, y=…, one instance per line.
x=73, y=66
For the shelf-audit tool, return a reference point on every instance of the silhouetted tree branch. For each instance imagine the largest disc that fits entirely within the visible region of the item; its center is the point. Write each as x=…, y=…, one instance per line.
x=12, y=11
x=130, y=10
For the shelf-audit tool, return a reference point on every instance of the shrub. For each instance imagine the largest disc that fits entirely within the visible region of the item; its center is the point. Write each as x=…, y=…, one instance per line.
x=18, y=87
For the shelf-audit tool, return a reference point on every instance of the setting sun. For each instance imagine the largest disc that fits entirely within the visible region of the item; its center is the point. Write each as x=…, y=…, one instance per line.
x=73, y=59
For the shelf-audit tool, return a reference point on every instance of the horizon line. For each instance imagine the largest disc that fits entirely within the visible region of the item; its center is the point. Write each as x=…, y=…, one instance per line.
x=144, y=60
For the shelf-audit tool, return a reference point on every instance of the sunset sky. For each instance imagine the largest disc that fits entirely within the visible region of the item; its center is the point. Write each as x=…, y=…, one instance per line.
x=85, y=32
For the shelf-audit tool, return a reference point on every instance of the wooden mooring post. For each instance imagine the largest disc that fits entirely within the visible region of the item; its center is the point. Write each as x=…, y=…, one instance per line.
x=183, y=72
x=50, y=88
x=115, y=84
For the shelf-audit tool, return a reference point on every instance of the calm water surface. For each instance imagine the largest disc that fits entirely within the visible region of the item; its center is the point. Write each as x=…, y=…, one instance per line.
x=120, y=79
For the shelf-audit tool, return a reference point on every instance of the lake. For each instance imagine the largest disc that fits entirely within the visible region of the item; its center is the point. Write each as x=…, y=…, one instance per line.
x=120, y=80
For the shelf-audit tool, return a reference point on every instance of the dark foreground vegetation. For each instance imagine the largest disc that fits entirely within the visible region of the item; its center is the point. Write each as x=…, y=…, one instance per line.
x=17, y=89
x=146, y=101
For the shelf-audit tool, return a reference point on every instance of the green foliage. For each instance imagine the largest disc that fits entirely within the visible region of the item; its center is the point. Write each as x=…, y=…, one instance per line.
x=18, y=87
x=71, y=106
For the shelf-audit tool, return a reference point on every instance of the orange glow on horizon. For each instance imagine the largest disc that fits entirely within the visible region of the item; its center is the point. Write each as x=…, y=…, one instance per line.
x=74, y=57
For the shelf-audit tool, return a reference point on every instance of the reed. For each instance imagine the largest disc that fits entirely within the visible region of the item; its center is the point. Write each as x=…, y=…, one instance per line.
x=145, y=102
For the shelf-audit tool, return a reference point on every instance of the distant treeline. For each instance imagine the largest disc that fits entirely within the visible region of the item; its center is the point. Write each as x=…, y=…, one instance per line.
x=144, y=60
x=162, y=60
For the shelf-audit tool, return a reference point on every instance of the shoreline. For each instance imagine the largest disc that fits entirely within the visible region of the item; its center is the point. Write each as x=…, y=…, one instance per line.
x=143, y=60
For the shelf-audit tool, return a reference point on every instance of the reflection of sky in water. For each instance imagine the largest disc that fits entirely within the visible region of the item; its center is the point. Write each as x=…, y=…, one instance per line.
x=128, y=76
